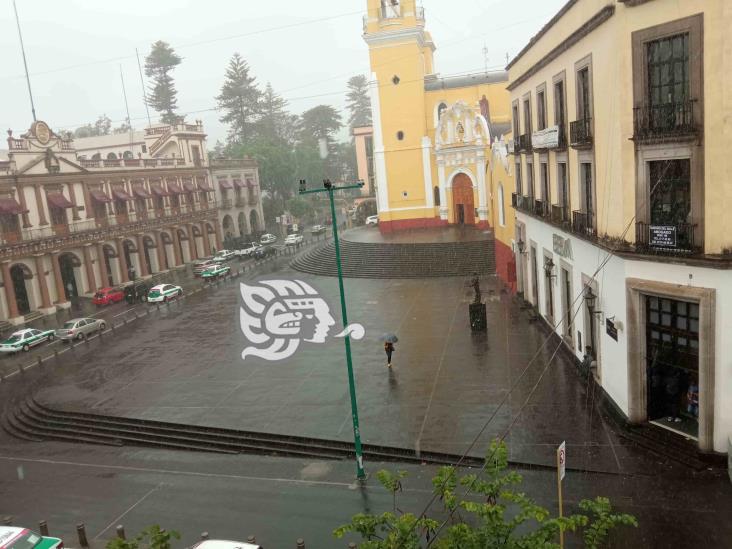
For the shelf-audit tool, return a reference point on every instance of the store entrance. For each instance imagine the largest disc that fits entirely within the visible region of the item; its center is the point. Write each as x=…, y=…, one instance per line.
x=672, y=354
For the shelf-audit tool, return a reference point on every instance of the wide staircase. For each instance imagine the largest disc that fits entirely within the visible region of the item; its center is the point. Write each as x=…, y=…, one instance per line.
x=403, y=260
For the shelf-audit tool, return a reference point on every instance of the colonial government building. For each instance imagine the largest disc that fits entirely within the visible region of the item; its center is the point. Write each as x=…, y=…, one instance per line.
x=79, y=215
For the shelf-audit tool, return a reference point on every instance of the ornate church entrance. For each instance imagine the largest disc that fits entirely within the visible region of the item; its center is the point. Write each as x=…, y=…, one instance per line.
x=462, y=200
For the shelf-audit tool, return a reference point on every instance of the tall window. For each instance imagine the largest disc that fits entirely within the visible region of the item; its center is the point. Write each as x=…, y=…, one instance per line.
x=544, y=182
x=563, y=187
x=541, y=110
x=530, y=180
x=587, y=187
x=516, y=126
x=501, y=207
x=519, y=183
x=559, y=110
x=527, y=117
x=584, y=108
x=670, y=184
x=58, y=216
x=668, y=70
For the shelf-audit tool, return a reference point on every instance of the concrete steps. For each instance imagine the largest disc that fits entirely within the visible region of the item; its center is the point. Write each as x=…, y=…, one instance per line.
x=382, y=260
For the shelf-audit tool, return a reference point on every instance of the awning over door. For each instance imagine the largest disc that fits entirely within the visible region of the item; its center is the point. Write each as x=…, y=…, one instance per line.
x=225, y=184
x=175, y=188
x=58, y=200
x=121, y=195
x=11, y=207
x=189, y=186
x=99, y=196
x=159, y=191
x=141, y=192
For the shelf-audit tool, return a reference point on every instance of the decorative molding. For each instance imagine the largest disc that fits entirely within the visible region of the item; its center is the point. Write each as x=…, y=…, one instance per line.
x=595, y=21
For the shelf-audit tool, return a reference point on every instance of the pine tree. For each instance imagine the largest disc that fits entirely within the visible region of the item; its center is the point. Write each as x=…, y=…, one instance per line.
x=162, y=95
x=239, y=100
x=276, y=123
x=358, y=102
x=318, y=123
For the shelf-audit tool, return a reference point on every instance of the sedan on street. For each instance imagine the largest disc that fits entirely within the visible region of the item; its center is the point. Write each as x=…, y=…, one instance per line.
x=80, y=328
x=164, y=292
x=107, y=296
x=215, y=271
x=22, y=538
x=23, y=340
x=263, y=252
x=317, y=229
x=372, y=220
x=293, y=239
x=224, y=255
x=267, y=239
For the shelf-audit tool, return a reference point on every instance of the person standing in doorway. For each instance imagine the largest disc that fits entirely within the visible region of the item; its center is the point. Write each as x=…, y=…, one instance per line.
x=389, y=349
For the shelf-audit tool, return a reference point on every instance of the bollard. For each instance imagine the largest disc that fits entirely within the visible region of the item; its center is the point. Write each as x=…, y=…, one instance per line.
x=55, y=353
x=121, y=532
x=43, y=528
x=40, y=362
x=81, y=530
x=251, y=539
x=300, y=543
x=204, y=536
x=21, y=371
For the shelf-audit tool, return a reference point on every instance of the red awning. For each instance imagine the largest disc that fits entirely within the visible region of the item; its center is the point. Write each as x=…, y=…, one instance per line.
x=174, y=188
x=121, y=195
x=158, y=190
x=99, y=196
x=225, y=184
x=189, y=186
x=204, y=186
x=10, y=206
x=58, y=200
x=239, y=184
x=141, y=192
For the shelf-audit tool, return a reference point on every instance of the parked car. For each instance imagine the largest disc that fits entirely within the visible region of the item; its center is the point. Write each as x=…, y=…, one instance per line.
x=22, y=538
x=137, y=292
x=317, y=229
x=105, y=296
x=164, y=292
x=267, y=238
x=247, y=250
x=293, y=239
x=224, y=255
x=372, y=220
x=202, y=264
x=23, y=340
x=263, y=252
x=224, y=544
x=79, y=328
x=216, y=271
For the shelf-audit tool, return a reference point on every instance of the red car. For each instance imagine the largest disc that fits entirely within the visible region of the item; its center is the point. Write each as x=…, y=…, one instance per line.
x=105, y=296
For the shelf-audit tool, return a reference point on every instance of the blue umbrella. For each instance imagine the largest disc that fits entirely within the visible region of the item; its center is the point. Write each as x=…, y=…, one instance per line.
x=389, y=337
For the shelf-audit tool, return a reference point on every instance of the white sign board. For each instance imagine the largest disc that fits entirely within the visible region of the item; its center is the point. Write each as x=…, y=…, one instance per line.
x=562, y=460
x=548, y=138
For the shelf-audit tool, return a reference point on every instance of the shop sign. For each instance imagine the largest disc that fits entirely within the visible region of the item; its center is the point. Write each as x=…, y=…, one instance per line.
x=562, y=246
x=662, y=236
x=611, y=329
x=548, y=138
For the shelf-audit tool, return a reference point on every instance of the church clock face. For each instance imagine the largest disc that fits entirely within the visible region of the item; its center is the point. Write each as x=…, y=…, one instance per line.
x=43, y=133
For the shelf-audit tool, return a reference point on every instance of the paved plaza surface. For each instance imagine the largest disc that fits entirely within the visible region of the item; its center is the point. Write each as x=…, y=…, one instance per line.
x=183, y=364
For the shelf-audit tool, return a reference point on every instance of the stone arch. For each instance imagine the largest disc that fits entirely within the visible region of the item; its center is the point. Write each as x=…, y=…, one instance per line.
x=111, y=156
x=440, y=108
x=127, y=155
x=464, y=171
x=184, y=251
x=149, y=243
x=228, y=225
x=70, y=266
x=254, y=222
x=20, y=274
x=167, y=240
x=463, y=200
x=128, y=248
x=96, y=156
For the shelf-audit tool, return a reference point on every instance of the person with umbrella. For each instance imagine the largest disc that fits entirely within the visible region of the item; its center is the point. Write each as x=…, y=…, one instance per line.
x=389, y=341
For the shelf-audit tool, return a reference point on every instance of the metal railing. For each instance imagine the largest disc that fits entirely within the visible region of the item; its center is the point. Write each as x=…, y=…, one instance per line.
x=523, y=143
x=663, y=121
x=560, y=214
x=665, y=239
x=541, y=208
x=580, y=133
x=132, y=162
x=583, y=223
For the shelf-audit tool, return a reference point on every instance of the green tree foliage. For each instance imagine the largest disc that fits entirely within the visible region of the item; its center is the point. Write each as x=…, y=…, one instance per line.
x=358, y=102
x=152, y=537
x=320, y=122
x=102, y=126
x=162, y=95
x=301, y=208
x=489, y=513
x=239, y=100
x=122, y=128
x=275, y=123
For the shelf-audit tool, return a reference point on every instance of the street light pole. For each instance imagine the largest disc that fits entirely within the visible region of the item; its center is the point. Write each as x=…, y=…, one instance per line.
x=329, y=188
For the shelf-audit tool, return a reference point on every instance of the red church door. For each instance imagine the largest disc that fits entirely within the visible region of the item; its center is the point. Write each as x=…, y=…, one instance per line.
x=463, y=205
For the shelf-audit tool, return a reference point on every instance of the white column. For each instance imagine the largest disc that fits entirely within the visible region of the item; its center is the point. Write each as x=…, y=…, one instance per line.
x=429, y=195
x=443, y=192
x=382, y=185
x=482, y=200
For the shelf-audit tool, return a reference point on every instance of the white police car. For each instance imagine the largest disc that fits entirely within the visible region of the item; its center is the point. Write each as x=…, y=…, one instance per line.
x=215, y=271
x=23, y=340
x=163, y=292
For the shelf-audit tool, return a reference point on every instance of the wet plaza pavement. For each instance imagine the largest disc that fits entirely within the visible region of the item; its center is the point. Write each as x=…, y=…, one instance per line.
x=183, y=364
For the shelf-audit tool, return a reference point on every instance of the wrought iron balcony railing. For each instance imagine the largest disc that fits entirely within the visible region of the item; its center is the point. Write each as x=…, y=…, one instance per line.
x=560, y=214
x=665, y=239
x=580, y=133
x=523, y=143
x=541, y=208
x=664, y=121
x=583, y=223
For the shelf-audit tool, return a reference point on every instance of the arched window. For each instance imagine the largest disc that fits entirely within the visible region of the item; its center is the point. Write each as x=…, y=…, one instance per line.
x=501, y=206
x=436, y=191
x=111, y=156
x=127, y=155
x=442, y=107
x=96, y=156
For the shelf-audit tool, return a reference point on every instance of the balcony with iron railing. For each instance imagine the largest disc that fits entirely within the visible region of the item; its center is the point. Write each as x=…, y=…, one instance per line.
x=117, y=163
x=560, y=214
x=669, y=239
x=542, y=209
x=666, y=122
x=583, y=224
x=580, y=133
x=181, y=127
x=523, y=143
x=522, y=203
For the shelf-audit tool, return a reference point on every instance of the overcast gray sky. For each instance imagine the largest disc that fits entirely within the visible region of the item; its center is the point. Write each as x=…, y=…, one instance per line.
x=306, y=49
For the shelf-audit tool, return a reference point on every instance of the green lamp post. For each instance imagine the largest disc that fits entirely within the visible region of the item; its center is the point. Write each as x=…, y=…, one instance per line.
x=330, y=189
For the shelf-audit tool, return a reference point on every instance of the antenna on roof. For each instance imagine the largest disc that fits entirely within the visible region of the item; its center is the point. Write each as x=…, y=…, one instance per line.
x=25, y=64
x=127, y=107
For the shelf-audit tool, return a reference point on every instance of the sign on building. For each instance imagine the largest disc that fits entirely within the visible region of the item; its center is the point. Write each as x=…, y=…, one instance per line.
x=548, y=138
x=562, y=246
x=662, y=236
x=611, y=329
x=562, y=460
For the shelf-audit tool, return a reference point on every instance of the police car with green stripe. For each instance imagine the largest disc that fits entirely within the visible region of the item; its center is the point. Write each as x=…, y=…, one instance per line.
x=215, y=271
x=22, y=538
x=164, y=292
x=23, y=340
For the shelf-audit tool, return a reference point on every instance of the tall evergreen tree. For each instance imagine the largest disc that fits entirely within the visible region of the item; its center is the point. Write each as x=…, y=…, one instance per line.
x=318, y=123
x=240, y=100
x=275, y=124
x=358, y=102
x=162, y=95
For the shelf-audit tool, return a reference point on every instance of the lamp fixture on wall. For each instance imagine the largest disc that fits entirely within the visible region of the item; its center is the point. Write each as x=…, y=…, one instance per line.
x=591, y=300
